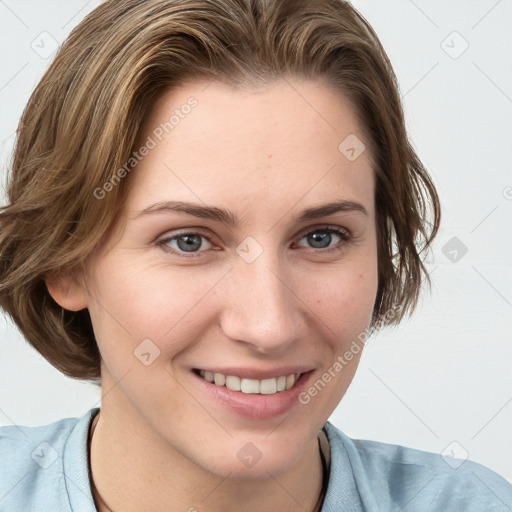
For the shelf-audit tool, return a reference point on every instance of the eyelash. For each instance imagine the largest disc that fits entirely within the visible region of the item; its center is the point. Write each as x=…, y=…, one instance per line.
x=344, y=235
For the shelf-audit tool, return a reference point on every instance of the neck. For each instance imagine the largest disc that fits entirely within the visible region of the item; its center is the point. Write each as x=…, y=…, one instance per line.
x=132, y=471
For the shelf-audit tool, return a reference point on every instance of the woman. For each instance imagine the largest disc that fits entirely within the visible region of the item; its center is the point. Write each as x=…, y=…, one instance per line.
x=211, y=205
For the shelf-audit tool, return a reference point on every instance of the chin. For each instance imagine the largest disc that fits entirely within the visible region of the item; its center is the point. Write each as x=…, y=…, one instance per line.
x=258, y=458
x=263, y=469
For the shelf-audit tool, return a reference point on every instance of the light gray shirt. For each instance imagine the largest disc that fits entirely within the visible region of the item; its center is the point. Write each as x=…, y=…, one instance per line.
x=45, y=468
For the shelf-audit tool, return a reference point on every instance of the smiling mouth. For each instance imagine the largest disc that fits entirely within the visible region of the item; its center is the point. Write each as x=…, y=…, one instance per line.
x=251, y=386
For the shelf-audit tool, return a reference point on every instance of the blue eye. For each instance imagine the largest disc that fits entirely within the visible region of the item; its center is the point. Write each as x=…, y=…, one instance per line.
x=321, y=238
x=185, y=243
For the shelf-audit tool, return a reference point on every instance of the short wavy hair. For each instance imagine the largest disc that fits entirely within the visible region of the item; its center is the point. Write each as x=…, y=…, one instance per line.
x=82, y=120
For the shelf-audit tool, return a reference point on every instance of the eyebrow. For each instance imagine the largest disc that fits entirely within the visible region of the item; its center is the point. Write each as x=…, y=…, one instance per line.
x=230, y=218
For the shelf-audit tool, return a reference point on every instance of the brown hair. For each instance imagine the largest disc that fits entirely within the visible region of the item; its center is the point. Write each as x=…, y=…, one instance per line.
x=82, y=120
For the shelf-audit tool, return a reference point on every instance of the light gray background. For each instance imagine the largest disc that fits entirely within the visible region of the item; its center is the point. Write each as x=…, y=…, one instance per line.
x=440, y=382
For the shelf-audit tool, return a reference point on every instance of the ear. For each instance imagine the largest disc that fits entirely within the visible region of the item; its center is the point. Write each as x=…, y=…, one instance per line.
x=66, y=291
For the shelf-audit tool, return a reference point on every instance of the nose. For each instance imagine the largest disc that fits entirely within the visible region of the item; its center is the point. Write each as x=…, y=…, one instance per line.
x=261, y=308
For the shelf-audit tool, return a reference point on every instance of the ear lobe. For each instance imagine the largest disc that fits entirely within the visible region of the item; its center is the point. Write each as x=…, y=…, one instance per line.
x=66, y=291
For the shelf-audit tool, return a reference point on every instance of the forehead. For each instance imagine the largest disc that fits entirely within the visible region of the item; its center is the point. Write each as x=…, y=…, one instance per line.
x=253, y=149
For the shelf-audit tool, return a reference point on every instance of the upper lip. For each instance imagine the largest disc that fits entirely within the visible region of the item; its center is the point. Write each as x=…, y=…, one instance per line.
x=258, y=373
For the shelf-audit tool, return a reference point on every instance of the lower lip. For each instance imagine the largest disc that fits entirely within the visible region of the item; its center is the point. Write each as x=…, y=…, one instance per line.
x=252, y=405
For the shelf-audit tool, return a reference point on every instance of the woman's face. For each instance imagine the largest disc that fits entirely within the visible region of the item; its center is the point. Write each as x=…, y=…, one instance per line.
x=250, y=286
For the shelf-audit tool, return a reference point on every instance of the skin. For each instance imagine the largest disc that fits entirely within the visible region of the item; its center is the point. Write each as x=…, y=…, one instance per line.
x=160, y=443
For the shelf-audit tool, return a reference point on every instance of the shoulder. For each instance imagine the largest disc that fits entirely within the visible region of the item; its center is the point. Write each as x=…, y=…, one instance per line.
x=393, y=477
x=32, y=469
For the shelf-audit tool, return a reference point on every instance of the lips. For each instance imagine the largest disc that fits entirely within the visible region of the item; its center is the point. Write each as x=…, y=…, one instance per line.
x=249, y=401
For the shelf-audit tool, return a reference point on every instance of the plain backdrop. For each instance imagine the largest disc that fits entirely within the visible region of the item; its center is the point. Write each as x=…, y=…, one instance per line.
x=440, y=382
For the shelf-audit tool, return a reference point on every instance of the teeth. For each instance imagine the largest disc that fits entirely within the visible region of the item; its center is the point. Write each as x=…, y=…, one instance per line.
x=251, y=386
x=219, y=379
x=281, y=383
x=233, y=383
x=268, y=386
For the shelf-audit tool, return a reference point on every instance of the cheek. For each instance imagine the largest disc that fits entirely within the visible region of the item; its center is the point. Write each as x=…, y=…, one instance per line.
x=133, y=302
x=344, y=297
x=343, y=303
